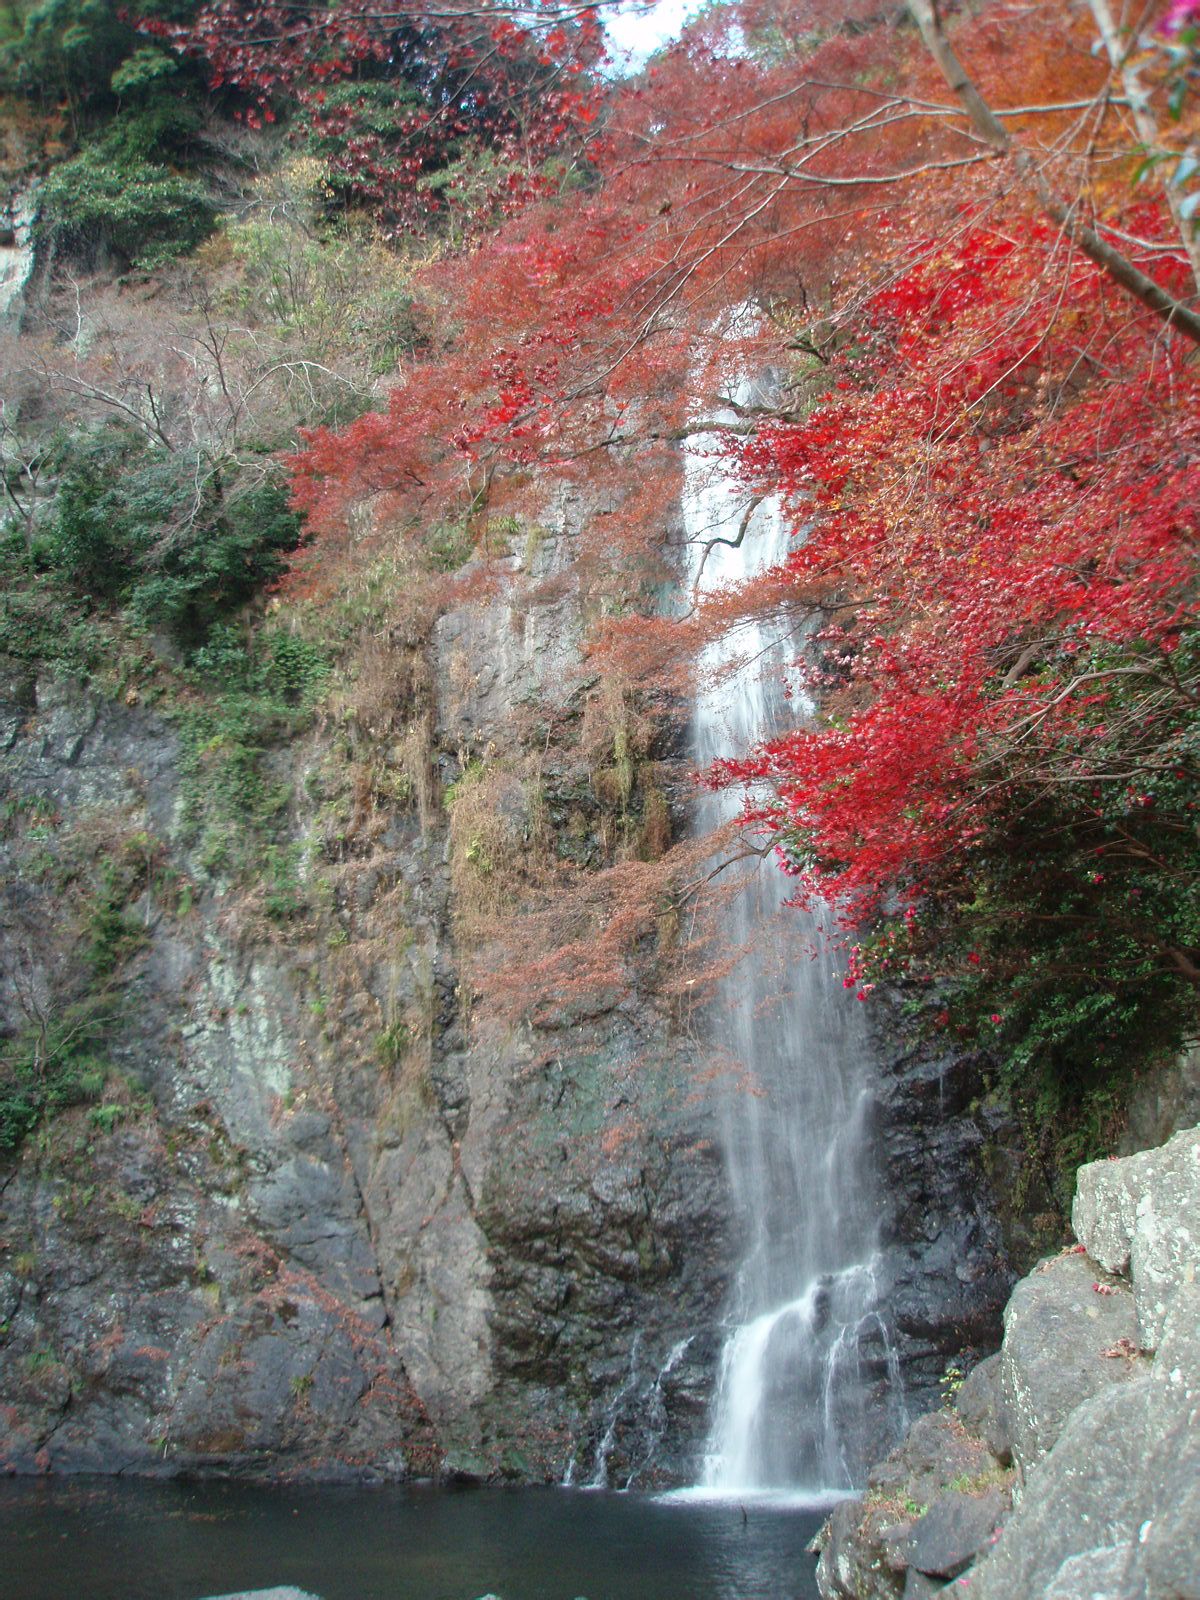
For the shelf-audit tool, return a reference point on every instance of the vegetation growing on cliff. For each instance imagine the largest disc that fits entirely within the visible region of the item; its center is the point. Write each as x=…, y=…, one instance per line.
x=966, y=250
x=976, y=284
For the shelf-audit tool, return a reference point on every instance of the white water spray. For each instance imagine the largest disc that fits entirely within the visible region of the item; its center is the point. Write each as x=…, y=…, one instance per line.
x=807, y=1366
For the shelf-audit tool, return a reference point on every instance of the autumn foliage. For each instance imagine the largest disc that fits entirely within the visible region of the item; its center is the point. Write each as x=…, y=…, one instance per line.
x=415, y=112
x=988, y=446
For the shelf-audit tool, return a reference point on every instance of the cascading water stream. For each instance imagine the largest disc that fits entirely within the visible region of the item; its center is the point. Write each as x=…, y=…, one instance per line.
x=807, y=1368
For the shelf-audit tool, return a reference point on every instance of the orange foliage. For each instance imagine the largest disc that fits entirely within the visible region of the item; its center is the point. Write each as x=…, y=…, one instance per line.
x=763, y=190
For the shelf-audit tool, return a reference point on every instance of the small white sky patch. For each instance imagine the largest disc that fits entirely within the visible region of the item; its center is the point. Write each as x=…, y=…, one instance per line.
x=638, y=30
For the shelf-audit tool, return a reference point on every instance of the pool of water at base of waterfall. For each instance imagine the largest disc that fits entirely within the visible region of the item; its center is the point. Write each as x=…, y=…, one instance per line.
x=121, y=1539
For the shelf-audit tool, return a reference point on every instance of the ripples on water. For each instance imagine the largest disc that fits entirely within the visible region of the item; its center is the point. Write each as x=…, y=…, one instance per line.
x=90, y=1539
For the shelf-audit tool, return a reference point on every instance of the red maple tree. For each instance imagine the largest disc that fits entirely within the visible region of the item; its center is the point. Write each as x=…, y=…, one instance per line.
x=398, y=100
x=986, y=433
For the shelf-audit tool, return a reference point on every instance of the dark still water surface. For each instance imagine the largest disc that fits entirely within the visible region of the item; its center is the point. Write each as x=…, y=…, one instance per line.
x=100, y=1539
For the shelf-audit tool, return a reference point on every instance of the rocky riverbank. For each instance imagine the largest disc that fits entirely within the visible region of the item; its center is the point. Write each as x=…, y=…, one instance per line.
x=1067, y=1466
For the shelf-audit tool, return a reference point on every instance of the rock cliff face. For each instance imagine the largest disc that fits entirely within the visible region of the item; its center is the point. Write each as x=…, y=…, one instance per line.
x=322, y=1221
x=18, y=218
x=322, y=1212
x=948, y=1245
x=1069, y=1465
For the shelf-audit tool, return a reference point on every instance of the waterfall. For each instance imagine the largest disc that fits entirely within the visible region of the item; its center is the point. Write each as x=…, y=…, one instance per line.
x=642, y=1390
x=807, y=1369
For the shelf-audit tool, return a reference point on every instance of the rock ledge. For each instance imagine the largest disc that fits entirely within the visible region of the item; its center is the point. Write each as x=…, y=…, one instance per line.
x=1068, y=1466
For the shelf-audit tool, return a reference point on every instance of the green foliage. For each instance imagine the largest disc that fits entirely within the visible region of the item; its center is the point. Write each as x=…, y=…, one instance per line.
x=278, y=671
x=137, y=527
x=112, y=934
x=448, y=546
x=950, y=1382
x=162, y=128
x=40, y=625
x=107, y=1116
x=108, y=200
x=67, y=49
x=85, y=52
x=145, y=70
x=55, y=1056
x=134, y=111
x=1065, y=955
x=52, y=1064
x=393, y=1042
x=336, y=289
x=383, y=106
x=283, y=896
x=471, y=187
x=256, y=690
x=373, y=110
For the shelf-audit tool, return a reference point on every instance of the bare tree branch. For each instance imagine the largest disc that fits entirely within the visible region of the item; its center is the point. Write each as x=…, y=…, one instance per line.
x=1097, y=249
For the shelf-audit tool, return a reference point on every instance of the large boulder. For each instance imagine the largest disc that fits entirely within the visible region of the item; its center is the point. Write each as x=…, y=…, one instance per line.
x=1141, y=1214
x=957, y=1526
x=980, y=1404
x=1112, y=1512
x=1064, y=1334
x=1104, y=1434
x=1080, y=1500
x=929, y=1509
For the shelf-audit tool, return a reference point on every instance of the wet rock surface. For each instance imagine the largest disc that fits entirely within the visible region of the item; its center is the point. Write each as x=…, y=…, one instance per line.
x=946, y=1267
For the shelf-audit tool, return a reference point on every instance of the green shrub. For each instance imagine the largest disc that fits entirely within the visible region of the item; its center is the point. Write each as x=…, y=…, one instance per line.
x=106, y=1117
x=284, y=896
x=132, y=529
x=87, y=54
x=67, y=49
x=261, y=677
x=108, y=201
x=49, y=1066
x=1064, y=954
x=294, y=669
x=112, y=933
x=337, y=290
x=146, y=69
x=85, y=541
x=393, y=1042
x=258, y=689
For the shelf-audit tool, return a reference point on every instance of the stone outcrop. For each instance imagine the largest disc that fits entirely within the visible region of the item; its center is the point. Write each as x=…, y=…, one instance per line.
x=323, y=1222
x=1141, y=1216
x=928, y=1509
x=1056, y=1328
x=332, y=1216
x=18, y=221
x=1095, y=1399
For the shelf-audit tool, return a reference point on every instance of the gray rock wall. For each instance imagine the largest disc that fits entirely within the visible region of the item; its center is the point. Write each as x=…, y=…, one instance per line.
x=18, y=220
x=335, y=1213
x=276, y=1251
x=1082, y=1438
